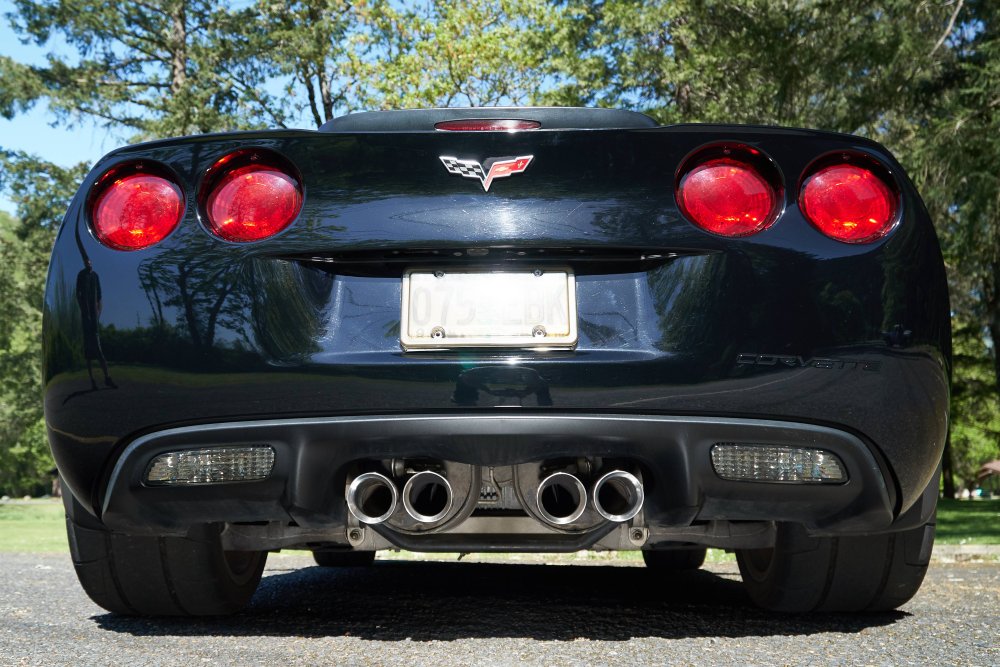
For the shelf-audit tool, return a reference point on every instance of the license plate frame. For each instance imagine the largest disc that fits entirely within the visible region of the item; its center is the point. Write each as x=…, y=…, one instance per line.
x=550, y=289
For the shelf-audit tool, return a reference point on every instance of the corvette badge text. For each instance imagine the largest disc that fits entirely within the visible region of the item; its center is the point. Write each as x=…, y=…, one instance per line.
x=491, y=168
x=752, y=359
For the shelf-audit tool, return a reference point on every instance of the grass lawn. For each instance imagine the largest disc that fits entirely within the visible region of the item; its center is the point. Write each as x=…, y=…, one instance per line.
x=38, y=526
x=968, y=522
x=33, y=526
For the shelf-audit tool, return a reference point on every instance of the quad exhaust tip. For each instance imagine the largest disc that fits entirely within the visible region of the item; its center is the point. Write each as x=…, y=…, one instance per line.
x=561, y=498
x=372, y=497
x=618, y=496
x=427, y=497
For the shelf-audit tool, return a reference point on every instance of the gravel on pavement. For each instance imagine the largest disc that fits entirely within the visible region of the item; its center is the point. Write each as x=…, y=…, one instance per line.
x=488, y=613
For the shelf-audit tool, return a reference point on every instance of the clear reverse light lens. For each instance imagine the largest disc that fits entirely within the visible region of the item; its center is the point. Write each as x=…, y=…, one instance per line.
x=769, y=463
x=217, y=465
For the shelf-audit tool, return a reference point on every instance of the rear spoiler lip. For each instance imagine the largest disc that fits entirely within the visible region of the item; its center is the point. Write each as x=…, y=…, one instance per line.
x=724, y=131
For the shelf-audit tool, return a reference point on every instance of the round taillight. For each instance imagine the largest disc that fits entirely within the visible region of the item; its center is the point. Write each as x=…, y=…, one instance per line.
x=252, y=201
x=135, y=210
x=727, y=196
x=849, y=203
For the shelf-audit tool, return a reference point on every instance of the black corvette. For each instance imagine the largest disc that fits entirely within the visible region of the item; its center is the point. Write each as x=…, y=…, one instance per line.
x=513, y=329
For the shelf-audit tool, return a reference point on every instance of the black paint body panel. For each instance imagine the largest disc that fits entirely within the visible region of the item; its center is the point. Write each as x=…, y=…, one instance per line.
x=786, y=325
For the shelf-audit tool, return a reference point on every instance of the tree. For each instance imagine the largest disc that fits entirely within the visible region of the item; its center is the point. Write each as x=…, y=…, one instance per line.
x=952, y=153
x=41, y=191
x=143, y=70
x=922, y=78
x=441, y=53
x=843, y=66
x=159, y=68
x=958, y=156
x=173, y=67
x=337, y=56
x=975, y=405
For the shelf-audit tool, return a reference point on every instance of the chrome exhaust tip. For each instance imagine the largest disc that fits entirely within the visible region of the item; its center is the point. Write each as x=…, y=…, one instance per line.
x=561, y=498
x=372, y=497
x=427, y=497
x=618, y=496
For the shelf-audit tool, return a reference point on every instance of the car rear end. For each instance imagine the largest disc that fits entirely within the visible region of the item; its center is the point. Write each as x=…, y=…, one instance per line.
x=500, y=330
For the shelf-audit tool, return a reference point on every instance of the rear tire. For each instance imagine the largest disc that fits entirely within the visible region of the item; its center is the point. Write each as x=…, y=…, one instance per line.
x=675, y=559
x=344, y=558
x=160, y=576
x=837, y=574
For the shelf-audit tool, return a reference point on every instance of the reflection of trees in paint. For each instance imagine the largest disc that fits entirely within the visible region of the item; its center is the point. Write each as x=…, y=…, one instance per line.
x=201, y=286
x=702, y=307
x=268, y=303
x=910, y=298
x=62, y=352
x=287, y=304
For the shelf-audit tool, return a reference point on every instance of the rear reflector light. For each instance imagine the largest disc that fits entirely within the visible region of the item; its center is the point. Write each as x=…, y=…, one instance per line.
x=770, y=463
x=251, y=201
x=727, y=195
x=487, y=125
x=134, y=210
x=849, y=203
x=217, y=465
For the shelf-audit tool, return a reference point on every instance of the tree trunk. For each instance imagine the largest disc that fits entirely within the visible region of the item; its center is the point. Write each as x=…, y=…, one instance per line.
x=995, y=335
x=178, y=48
x=326, y=93
x=993, y=316
x=187, y=302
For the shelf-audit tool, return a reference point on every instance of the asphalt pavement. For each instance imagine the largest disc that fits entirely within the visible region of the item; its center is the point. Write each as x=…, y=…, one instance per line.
x=464, y=613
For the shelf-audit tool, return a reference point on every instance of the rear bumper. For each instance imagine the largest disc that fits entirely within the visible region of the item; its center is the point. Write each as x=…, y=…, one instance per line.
x=314, y=457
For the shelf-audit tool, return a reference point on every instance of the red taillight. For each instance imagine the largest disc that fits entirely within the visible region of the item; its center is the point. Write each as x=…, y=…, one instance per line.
x=487, y=125
x=849, y=203
x=136, y=210
x=252, y=201
x=727, y=196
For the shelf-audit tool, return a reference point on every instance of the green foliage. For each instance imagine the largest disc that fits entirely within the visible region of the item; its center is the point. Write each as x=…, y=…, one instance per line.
x=24, y=457
x=441, y=53
x=144, y=70
x=975, y=432
x=832, y=65
x=42, y=191
x=336, y=56
x=923, y=78
x=175, y=67
x=957, y=157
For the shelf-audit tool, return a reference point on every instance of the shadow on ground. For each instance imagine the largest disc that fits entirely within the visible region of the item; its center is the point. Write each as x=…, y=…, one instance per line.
x=425, y=601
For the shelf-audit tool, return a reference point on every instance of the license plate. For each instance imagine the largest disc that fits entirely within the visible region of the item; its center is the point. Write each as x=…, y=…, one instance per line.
x=488, y=308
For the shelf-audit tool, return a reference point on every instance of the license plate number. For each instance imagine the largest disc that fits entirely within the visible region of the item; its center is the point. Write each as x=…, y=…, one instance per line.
x=488, y=308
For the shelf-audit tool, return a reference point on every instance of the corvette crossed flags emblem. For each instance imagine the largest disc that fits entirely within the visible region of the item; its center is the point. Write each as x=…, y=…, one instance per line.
x=491, y=168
